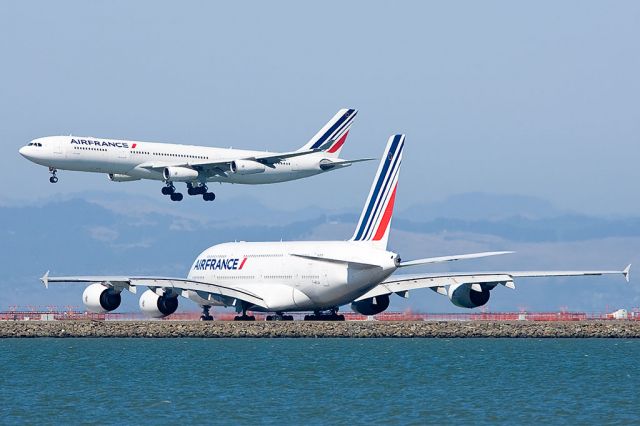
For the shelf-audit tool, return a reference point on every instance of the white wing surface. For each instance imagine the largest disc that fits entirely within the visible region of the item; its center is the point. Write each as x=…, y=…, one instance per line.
x=176, y=285
x=438, y=282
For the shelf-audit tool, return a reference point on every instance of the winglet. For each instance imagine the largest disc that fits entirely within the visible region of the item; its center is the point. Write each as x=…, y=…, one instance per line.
x=45, y=279
x=626, y=272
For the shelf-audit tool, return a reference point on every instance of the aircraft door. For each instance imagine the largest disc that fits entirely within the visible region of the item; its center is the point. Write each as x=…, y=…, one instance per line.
x=123, y=153
x=57, y=148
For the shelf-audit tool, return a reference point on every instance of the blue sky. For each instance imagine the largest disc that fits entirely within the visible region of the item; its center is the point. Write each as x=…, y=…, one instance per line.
x=537, y=99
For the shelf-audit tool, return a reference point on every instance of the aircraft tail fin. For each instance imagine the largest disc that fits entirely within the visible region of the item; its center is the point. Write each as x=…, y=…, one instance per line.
x=375, y=219
x=332, y=136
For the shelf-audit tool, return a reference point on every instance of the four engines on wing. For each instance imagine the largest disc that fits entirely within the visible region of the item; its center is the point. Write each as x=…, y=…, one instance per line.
x=99, y=298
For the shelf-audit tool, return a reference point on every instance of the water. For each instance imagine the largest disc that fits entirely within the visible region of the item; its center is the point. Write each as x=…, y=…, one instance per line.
x=319, y=381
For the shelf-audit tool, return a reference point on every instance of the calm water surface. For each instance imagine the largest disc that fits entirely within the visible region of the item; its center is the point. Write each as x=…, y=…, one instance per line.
x=319, y=381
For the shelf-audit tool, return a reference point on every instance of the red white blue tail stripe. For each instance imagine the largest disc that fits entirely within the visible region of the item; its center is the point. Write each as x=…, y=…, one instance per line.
x=376, y=216
x=333, y=135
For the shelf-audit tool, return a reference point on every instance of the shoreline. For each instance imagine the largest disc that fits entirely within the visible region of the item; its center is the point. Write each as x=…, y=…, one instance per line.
x=321, y=329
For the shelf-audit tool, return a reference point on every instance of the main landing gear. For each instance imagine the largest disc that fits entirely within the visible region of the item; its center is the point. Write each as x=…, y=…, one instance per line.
x=53, y=178
x=279, y=316
x=170, y=190
x=322, y=316
x=201, y=190
x=205, y=314
x=244, y=316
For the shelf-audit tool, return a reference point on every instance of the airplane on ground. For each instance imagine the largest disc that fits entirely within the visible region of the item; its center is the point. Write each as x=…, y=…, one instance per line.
x=125, y=160
x=310, y=276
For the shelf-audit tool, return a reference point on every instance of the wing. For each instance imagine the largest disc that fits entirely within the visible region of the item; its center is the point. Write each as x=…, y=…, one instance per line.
x=223, y=165
x=176, y=285
x=401, y=284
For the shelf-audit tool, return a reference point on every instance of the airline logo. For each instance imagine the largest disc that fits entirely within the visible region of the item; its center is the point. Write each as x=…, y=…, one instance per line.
x=337, y=132
x=100, y=143
x=375, y=218
x=231, y=264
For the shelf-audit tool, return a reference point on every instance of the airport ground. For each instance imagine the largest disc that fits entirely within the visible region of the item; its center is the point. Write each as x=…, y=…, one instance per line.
x=323, y=329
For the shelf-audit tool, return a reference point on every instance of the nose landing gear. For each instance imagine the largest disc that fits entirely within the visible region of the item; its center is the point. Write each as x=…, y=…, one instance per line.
x=53, y=178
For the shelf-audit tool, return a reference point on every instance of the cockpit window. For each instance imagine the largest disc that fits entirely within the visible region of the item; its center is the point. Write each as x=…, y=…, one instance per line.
x=34, y=144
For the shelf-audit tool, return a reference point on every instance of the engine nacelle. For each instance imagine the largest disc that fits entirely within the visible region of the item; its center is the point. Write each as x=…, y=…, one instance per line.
x=116, y=177
x=246, y=167
x=179, y=174
x=326, y=164
x=463, y=296
x=156, y=306
x=99, y=298
x=372, y=306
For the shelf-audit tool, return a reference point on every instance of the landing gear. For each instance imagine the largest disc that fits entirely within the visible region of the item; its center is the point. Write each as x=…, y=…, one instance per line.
x=53, y=178
x=170, y=190
x=332, y=315
x=279, y=316
x=244, y=316
x=205, y=314
x=201, y=190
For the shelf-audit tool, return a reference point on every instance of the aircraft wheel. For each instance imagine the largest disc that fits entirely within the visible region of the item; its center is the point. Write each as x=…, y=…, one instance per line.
x=176, y=196
x=53, y=179
x=209, y=196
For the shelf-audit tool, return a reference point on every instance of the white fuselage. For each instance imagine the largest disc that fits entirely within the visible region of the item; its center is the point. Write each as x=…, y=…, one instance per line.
x=128, y=158
x=295, y=276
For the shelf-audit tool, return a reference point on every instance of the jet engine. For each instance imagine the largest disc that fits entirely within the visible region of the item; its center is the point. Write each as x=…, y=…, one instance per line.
x=179, y=174
x=326, y=164
x=371, y=306
x=464, y=296
x=246, y=167
x=156, y=306
x=99, y=298
x=116, y=177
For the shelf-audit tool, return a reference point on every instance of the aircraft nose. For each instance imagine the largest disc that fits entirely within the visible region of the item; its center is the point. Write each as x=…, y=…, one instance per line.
x=23, y=151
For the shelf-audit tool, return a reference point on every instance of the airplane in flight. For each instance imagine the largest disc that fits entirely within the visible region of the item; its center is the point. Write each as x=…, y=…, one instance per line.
x=125, y=160
x=310, y=276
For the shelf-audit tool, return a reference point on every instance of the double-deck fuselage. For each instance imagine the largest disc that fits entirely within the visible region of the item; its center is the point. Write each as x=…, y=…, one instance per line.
x=295, y=276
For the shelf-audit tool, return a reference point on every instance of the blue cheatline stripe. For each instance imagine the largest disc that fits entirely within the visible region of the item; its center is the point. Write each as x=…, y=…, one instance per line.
x=374, y=196
x=341, y=120
x=384, y=193
x=381, y=178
